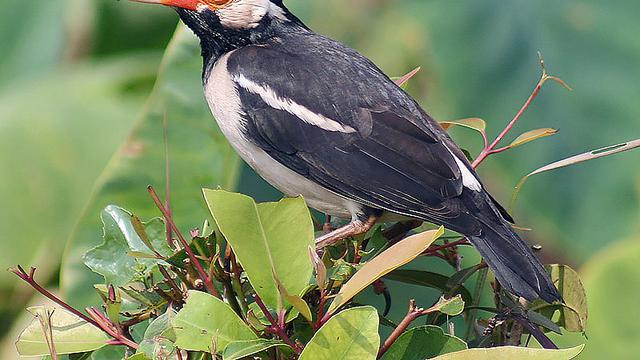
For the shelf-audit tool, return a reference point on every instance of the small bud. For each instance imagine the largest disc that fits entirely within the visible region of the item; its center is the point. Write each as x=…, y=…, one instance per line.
x=198, y=284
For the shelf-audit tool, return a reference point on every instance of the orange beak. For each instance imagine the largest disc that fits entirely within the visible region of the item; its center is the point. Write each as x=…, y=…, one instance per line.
x=185, y=4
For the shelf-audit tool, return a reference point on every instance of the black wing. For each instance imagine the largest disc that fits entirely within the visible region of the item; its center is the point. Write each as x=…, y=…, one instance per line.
x=387, y=153
x=396, y=158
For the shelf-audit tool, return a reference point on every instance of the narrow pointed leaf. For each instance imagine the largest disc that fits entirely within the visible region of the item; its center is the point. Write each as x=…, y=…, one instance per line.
x=591, y=155
x=402, y=81
x=511, y=352
x=268, y=239
x=349, y=335
x=399, y=254
x=428, y=279
x=70, y=334
x=532, y=135
x=206, y=320
x=423, y=342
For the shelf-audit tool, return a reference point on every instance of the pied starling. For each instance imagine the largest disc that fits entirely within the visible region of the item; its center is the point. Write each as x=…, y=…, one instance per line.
x=316, y=118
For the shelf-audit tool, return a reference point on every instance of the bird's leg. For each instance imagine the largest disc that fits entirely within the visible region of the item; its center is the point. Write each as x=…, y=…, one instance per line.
x=355, y=227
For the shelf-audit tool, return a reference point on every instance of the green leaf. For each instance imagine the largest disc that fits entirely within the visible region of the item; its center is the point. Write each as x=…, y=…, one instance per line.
x=162, y=326
x=428, y=279
x=112, y=259
x=476, y=124
x=199, y=156
x=268, y=239
x=205, y=321
x=532, y=135
x=423, y=342
x=349, y=335
x=157, y=348
x=399, y=254
x=611, y=278
x=451, y=307
x=511, y=352
x=70, y=333
x=242, y=349
x=296, y=301
x=574, y=310
x=140, y=356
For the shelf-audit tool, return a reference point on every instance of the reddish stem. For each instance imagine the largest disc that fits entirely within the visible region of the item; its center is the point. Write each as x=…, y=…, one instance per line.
x=278, y=327
x=413, y=313
x=490, y=149
x=28, y=278
x=434, y=249
x=208, y=281
x=96, y=318
x=322, y=302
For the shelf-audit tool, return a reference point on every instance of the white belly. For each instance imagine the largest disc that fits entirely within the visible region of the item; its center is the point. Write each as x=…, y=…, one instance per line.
x=224, y=101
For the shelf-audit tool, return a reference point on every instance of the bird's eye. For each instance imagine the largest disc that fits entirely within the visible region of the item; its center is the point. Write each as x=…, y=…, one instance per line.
x=217, y=3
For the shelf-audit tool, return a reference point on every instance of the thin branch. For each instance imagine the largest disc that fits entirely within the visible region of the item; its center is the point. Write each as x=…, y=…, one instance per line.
x=29, y=279
x=278, y=326
x=208, y=281
x=491, y=148
x=413, y=314
x=434, y=249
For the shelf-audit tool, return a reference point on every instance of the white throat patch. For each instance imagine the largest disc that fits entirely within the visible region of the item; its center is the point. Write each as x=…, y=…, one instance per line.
x=246, y=14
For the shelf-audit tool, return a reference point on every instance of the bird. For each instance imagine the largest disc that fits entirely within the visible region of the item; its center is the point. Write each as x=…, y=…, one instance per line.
x=316, y=118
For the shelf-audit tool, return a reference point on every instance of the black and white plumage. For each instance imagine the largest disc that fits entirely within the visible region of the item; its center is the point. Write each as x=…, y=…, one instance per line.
x=318, y=119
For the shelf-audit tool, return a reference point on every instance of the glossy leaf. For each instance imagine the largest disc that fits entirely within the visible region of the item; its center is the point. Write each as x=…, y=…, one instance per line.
x=70, y=334
x=199, y=154
x=243, y=349
x=394, y=257
x=511, y=352
x=269, y=239
x=451, y=307
x=532, y=136
x=112, y=259
x=162, y=326
x=476, y=124
x=206, y=321
x=423, y=342
x=349, y=335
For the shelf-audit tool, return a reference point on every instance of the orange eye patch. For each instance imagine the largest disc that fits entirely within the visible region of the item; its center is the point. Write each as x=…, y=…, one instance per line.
x=217, y=3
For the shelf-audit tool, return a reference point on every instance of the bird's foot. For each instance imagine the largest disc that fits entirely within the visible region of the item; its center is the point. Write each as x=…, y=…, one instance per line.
x=354, y=228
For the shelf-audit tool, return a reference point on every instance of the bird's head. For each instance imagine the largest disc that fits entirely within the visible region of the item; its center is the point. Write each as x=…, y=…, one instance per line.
x=230, y=18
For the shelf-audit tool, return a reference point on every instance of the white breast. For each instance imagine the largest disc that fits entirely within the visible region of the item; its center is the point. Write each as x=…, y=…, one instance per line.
x=223, y=98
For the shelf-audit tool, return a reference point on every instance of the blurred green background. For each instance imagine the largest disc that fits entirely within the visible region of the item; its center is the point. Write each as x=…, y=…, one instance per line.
x=82, y=125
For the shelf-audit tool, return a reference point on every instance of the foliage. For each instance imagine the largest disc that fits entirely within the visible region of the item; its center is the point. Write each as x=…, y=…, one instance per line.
x=138, y=300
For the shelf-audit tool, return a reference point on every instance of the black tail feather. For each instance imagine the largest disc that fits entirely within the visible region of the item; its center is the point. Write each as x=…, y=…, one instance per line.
x=511, y=259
